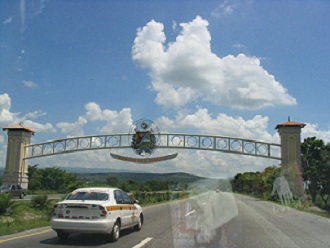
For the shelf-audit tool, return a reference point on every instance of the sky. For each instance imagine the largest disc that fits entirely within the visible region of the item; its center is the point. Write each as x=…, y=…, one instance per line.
x=227, y=68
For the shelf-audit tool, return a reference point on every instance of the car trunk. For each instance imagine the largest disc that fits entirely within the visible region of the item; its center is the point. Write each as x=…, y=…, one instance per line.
x=83, y=210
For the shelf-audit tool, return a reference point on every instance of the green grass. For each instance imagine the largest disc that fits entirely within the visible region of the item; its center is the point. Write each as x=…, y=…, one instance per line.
x=24, y=217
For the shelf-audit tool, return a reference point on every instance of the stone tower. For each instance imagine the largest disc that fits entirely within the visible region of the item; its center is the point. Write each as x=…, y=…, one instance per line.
x=291, y=154
x=16, y=167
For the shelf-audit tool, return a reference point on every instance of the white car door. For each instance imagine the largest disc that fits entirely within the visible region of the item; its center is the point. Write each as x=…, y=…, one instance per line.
x=130, y=211
x=120, y=202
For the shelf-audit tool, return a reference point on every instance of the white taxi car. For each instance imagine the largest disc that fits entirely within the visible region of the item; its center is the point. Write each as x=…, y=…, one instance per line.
x=96, y=210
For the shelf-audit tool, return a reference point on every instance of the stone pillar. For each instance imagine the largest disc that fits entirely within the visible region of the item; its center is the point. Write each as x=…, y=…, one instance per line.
x=16, y=167
x=291, y=154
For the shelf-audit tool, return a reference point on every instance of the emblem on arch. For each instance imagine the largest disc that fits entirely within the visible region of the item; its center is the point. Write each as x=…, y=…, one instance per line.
x=145, y=137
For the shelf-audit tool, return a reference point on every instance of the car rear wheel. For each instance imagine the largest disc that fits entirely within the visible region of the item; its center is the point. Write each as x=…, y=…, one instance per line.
x=115, y=232
x=62, y=235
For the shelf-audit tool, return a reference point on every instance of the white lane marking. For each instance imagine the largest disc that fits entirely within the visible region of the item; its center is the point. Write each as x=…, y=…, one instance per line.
x=191, y=212
x=142, y=243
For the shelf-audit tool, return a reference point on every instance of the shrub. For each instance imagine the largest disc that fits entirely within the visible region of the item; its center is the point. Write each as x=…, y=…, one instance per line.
x=5, y=203
x=39, y=201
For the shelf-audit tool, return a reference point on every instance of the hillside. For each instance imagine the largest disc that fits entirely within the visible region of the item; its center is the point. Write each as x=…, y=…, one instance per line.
x=101, y=175
x=179, y=177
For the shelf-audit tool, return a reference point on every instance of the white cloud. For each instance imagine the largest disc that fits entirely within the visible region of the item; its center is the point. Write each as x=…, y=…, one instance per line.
x=29, y=10
x=239, y=46
x=115, y=121
x=8, y=20
x=75, y=128
x=311, y=130
x=8, y=118
x=174, y=25
x=202, y=122
x=35, y=114
x=22, y=15
x=110, y=121
x=40, y=128
x=148, y=45
x=29, y=84
x=187, y=70
x=225, y=8
x=94, y=111
x=37, y=7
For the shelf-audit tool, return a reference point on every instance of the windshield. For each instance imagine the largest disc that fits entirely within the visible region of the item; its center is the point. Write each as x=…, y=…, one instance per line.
x=88, y=196
x=5, y=186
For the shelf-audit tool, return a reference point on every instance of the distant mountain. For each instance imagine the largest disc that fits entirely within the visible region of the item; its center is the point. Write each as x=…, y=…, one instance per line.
x=99, y=175
x=91, y=170
x=179, y=177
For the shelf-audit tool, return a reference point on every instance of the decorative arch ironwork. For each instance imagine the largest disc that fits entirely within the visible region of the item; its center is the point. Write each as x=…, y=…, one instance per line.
x=166, y=140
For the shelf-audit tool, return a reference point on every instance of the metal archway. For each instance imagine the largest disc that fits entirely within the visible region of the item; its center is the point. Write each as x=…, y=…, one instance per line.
x=167, y=140
x=19, y=149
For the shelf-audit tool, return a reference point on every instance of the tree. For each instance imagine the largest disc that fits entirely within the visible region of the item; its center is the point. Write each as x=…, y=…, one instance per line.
x=112, y=181
x=267, y=178
x=124, y=186
x=71, y=182
x=316, y=167
x=34, y=182
x=257, y=183
x=248, y=178
x=237, y=182
x=325, y=176
x=51, y=179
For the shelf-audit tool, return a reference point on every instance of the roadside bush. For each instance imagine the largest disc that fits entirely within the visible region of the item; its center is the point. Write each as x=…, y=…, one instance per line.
x=39, y=201
x=5, y=203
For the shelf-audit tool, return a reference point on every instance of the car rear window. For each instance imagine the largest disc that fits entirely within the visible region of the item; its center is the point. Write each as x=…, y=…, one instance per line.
x=88, y=196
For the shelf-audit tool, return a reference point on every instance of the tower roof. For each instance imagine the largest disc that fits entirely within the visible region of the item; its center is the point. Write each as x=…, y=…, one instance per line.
x=290, y=124
x=18, y=127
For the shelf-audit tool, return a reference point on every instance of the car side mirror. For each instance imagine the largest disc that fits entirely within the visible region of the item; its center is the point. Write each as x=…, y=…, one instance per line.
x=136, y=201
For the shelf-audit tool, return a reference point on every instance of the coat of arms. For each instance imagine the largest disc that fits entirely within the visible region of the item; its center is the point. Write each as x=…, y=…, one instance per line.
x=144, y=140
x=144, y=137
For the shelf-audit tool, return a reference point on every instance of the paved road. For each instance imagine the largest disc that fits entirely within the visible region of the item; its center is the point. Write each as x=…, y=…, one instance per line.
x=210, y=220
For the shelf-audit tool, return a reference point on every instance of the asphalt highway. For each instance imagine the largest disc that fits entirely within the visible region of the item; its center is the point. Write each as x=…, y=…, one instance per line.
x=209, y=220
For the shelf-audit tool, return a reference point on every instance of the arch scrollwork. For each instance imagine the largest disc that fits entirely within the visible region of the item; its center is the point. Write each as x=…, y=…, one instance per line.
x=173, y=141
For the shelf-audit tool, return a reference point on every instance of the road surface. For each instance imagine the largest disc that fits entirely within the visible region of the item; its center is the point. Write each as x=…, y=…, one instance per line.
x=209, y=220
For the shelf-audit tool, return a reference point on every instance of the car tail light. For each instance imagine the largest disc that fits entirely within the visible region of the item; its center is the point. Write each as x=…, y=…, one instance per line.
x=103, y=210
x=54, y=209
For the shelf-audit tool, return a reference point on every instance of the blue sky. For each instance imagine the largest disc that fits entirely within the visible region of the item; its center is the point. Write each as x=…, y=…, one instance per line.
x=229, y=68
